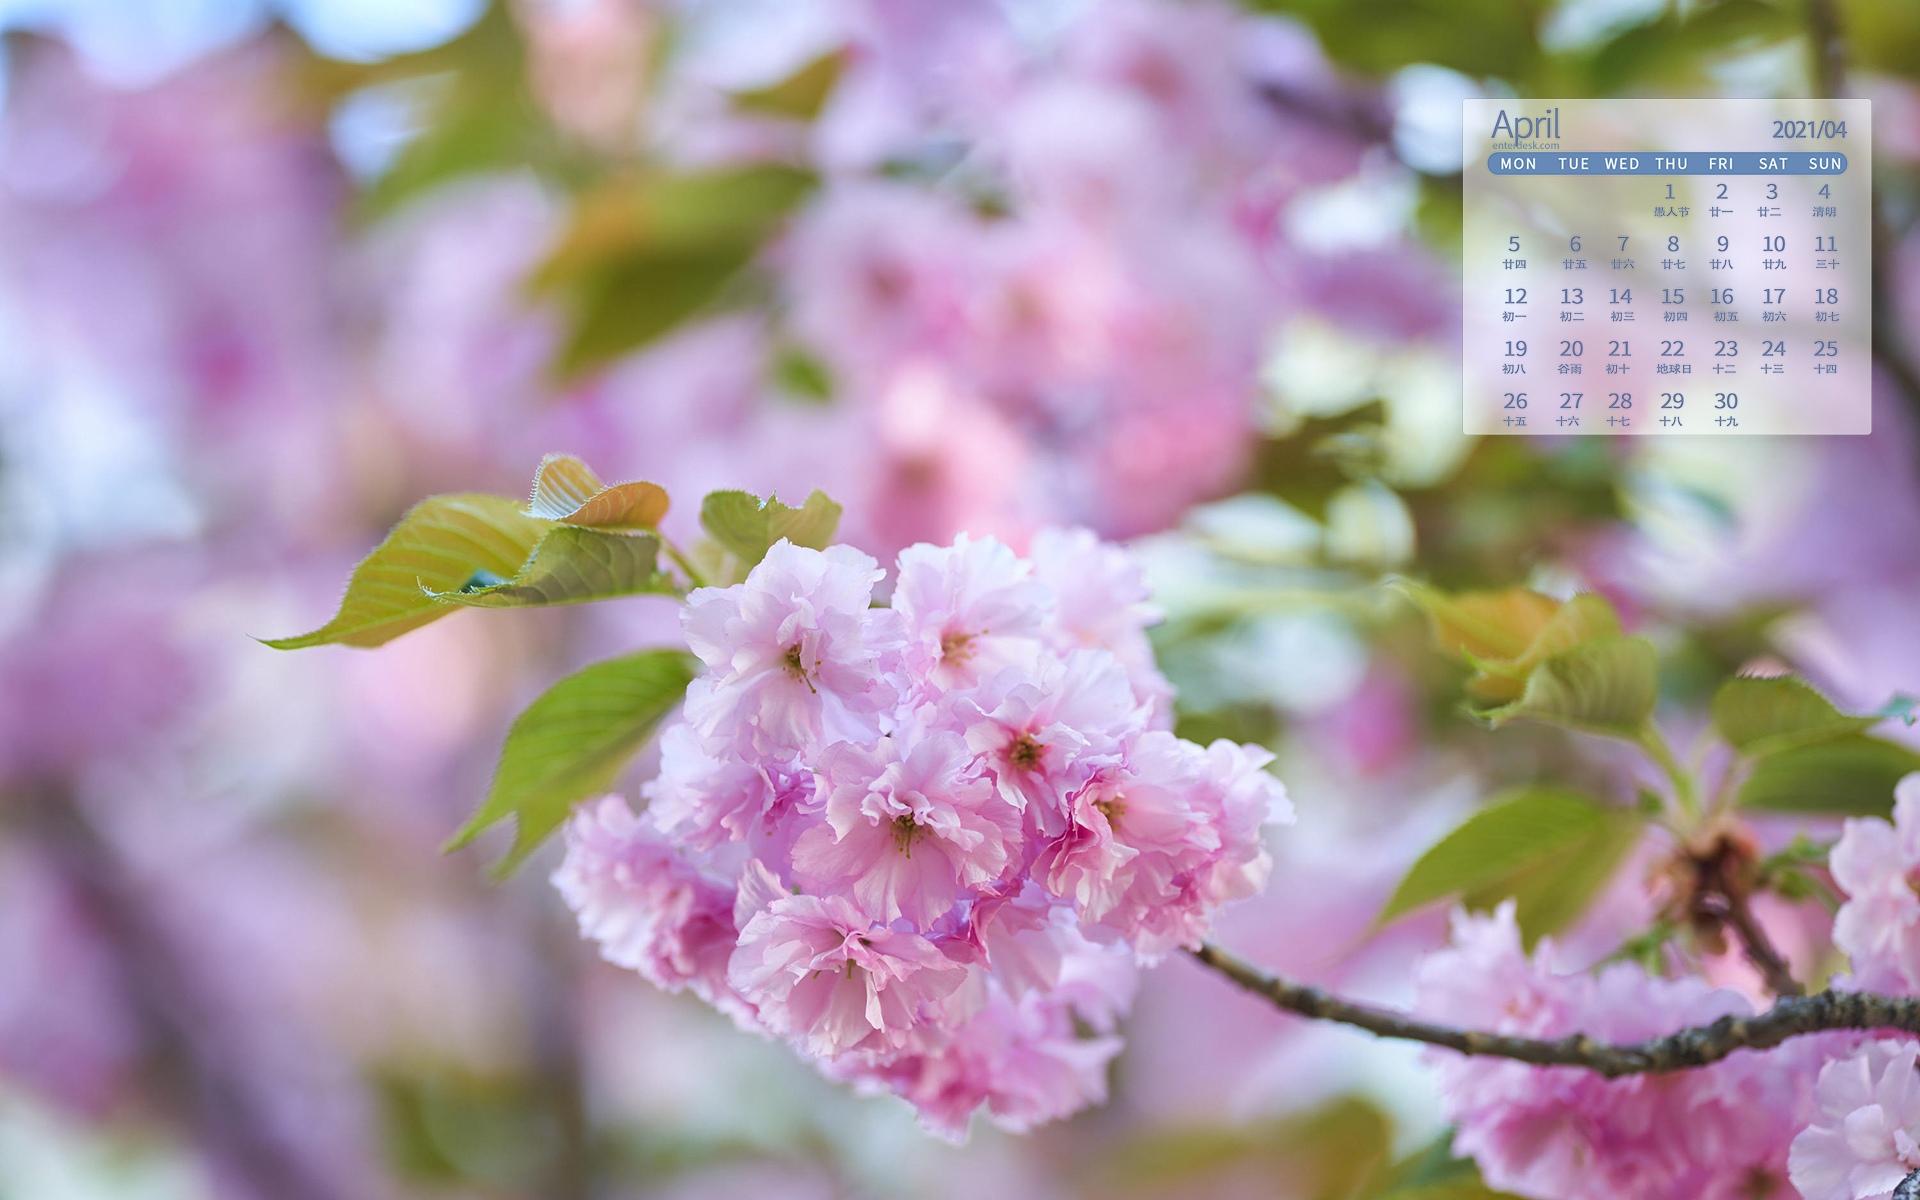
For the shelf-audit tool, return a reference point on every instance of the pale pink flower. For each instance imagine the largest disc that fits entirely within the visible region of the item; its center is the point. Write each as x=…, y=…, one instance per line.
x=650, y=908
x=970, y=609
x=938, y=458
x=1025, y=937
x=1719, y=1131
x=820, y=973
x=793, y=654
x=1134, y=845
x=911, y=825
x=1242, y=799
x=944, y=869
x=1878, y=865
x=879, y=270
x=705, y=799
x=1043, y=732
x=1021, y=1059
x=1864, y=1139
x=1101, y=602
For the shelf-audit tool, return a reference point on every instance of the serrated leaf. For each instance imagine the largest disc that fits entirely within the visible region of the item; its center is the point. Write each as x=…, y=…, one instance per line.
x=801, y=95
x=571, y=743
x=1761, y=716
x=1849, y=776
x=1606, y=686
x=571, y=566
x=1581, y=619
x=1495, y=844
x=745, y=525
x=1555, y=890
x=440, y=545
x=565, y=489
x=1481, y=625
x=1505, y=635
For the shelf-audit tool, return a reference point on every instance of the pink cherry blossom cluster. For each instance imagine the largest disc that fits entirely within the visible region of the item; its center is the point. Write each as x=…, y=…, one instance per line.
x=1878, y=865
x=926, y=844
x=1864, y=1136
x=1864, y=1139
x=1715, y=1133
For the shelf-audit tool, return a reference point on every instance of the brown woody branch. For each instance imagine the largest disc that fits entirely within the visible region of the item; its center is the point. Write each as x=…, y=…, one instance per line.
x=1790, y=1017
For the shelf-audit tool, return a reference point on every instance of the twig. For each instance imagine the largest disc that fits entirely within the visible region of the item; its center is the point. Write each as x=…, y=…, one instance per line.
x=1759, y=948
x=1721, y=895
x=223, y=1106
x=1699, y=1046
x=1827, y=41
x=1829, y=48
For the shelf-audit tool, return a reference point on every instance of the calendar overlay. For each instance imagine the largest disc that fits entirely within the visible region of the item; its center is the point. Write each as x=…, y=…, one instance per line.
x=1667, y=267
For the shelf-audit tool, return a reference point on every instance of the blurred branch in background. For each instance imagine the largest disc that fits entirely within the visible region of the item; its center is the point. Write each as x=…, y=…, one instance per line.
x=193, y=1054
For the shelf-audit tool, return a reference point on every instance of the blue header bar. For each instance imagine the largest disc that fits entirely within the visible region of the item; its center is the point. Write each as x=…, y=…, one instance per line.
x=1642, y=162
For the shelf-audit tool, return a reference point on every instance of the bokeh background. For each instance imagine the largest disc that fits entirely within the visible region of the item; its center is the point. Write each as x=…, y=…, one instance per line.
x=1184, y=272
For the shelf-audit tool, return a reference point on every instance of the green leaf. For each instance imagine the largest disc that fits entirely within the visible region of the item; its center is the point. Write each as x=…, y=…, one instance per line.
x=571, y=566
x=1481, y=625
x=1332, y=1152
x=746, y=525
x=571, y=742
x=801, y=95
x=1581, y=619
x=645, y=254
x=1475, y=37
x=1606, y=686
x=1555, y=890
x=1849, y=776
x=1683, y=43
x=628, y=304
x=1761, y=716
x=1433, y=1173
x=1495, y=852
x=1459, y=1189
x=799, y=373
x=442, y=544
x=565, y=489
x=472, y=110
x=1506, y=635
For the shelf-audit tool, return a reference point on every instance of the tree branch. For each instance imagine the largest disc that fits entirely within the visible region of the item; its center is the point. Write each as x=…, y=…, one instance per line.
x=1827, y=41
x=1759, y=948
x=1790, y=1017
x=221, y=1105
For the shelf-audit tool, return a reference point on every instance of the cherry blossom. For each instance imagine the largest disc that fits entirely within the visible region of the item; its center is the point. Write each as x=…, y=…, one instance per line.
x=1719, y=1131
x=819, y=972
x=1043, y=732
x=793, y=652
x=927, y=845
x=650, y=909
x=970, y=609
x=1878, y=865
x=1865, y=1137
x=908, y=829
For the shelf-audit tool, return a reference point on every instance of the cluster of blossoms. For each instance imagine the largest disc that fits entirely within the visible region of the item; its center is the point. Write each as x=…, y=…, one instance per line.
x=1830, y=1117
x=1864, y=1138
x=926, y=844
x=1716, y=1133
x=1021, y=327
